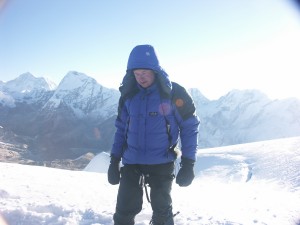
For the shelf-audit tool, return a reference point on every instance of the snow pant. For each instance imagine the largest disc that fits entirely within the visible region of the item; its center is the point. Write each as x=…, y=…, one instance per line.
x=130, y=194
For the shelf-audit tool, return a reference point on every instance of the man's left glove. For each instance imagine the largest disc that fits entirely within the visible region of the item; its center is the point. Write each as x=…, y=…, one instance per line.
x=186, y=173
x=113, y=173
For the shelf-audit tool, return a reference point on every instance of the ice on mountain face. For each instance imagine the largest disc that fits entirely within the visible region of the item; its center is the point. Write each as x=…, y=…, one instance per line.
x=74, y=80
x=26, y=83
x=27, y=88
x=241, y=116
x=84, y=96
x=6, y=100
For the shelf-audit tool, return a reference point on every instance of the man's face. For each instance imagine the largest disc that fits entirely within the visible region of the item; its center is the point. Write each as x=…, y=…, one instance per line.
x=144, y=77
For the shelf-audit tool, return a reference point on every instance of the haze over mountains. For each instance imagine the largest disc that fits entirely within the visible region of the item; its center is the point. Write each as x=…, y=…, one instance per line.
x=46, y=122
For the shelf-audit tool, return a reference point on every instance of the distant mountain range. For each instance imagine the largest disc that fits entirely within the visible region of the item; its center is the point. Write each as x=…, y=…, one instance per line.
x=76, y=117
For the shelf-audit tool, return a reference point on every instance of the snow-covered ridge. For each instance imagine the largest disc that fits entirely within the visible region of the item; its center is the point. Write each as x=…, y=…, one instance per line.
x=6, y=100
x=26, y=82
x=244, y=116
x=240, y=116
x=25, y=88
x=84, y=95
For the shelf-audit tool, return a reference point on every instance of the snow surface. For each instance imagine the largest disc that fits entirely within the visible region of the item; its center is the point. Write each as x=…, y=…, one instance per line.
x=255, y=183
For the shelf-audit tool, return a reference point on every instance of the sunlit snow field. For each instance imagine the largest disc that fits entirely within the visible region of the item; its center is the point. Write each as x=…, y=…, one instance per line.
x=255, y=183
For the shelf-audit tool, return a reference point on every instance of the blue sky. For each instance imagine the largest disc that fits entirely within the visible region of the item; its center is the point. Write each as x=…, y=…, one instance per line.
x=212, y=45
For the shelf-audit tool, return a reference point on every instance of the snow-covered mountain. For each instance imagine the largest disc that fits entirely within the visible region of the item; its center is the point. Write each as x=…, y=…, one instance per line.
x=6, y=100
x=26, y=82
x=78, y=115
x=27, y=87
x=85, y=96
x=73, y=118
x=244, y=116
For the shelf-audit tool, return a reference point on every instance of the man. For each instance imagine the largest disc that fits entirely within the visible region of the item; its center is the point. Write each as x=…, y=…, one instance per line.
x=153, y=114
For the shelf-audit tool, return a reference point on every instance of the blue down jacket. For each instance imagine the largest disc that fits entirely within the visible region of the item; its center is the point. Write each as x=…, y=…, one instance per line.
x=150, y=121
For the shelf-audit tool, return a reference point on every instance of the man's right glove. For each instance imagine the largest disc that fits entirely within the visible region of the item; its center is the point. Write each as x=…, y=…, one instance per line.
x=186, y=173
x=113, y=173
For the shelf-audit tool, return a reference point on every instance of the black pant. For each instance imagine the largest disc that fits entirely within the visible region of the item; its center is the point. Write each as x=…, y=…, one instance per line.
x=130, y=194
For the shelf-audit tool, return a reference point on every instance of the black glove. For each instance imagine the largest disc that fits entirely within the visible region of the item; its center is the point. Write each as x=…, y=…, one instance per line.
x=113, y=173
x=186, y=173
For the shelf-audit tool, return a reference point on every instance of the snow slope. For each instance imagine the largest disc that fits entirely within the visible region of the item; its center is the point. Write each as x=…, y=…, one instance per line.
x=256, y=183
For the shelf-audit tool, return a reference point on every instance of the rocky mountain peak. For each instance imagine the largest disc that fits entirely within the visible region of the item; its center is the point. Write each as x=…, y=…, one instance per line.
x=84, y=96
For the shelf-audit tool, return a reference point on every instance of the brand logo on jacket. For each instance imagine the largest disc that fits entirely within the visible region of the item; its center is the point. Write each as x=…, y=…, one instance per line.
x=153, y=113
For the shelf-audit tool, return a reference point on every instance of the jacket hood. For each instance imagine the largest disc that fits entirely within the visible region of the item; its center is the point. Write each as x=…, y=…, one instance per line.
x=145, y=57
